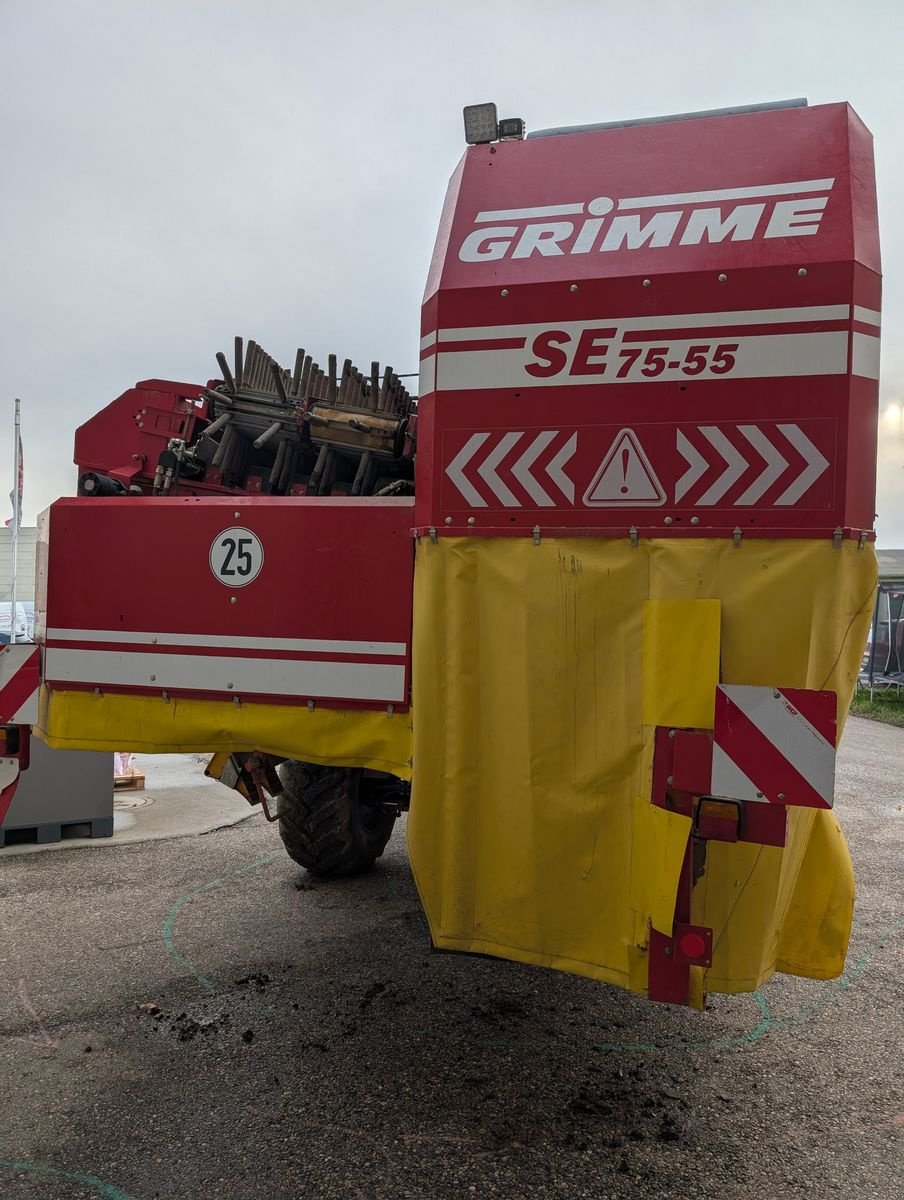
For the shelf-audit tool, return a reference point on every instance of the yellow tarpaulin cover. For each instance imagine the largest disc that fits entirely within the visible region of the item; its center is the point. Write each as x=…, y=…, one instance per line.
x=540, y=672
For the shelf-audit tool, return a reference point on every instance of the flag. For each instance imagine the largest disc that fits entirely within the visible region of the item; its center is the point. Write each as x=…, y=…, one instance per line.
x=17, y=485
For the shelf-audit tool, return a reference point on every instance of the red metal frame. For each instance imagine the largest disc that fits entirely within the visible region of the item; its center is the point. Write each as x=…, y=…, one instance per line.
x=682, y=765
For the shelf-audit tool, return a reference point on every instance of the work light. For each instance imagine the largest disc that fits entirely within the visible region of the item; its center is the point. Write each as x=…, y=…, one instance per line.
x=481, y=124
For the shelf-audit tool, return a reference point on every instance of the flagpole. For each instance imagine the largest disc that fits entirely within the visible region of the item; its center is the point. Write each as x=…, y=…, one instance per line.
x=14, y=545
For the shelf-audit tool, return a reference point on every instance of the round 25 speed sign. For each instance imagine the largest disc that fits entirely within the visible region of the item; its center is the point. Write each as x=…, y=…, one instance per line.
x=236, y=557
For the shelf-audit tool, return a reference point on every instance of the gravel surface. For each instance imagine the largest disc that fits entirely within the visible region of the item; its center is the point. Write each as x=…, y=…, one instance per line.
x=299, y=1039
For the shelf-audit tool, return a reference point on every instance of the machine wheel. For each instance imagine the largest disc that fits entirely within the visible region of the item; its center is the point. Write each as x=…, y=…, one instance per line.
x=335, y=821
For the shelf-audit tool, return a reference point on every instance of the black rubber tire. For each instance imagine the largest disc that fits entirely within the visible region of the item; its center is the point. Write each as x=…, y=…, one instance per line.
x=334, y=821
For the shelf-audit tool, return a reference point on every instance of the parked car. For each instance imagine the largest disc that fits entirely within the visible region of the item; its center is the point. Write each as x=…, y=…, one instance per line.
x=22, y=634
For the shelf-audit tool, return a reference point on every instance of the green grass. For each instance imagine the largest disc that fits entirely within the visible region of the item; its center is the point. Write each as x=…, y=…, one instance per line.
x=885, y=706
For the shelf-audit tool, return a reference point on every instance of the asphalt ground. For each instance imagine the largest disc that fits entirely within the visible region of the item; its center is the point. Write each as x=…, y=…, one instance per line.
x=309, y=1044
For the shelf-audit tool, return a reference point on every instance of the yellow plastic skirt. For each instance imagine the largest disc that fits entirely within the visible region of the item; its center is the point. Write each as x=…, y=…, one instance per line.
x=79, y=720
x=540, y=672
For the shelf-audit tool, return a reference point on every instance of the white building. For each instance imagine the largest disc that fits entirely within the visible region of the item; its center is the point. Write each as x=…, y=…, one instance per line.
x=25, y=573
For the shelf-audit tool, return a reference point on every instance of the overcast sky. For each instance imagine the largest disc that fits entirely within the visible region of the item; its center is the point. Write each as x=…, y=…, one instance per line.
x=175, y=173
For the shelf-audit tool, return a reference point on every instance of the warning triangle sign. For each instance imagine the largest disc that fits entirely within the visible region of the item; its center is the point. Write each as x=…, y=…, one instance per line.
x=625, y=477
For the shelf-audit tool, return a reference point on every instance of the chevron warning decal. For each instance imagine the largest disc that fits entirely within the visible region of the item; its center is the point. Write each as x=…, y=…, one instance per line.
x=498, y=460
x=19, y=684
x=775, y=745
x=720, y=463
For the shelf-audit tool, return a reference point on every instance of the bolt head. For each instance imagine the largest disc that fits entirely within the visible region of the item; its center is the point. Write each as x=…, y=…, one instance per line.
x=695, y=520
x=802, y=272
x=668, y=521
x=647, y=282
x=235, y=514
x=232, y=599
x=448, y=521
x=472, y=520
x=722, y=278
x=573, y=288
x=504, y=292
x=781, y=795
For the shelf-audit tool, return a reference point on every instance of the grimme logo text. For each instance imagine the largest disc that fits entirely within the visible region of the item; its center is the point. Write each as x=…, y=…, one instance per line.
x=637, y=222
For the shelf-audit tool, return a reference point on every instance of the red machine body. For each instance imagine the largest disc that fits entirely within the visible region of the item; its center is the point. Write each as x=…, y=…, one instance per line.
x=286, y=600
x=666, y=330
x=671, y=327
x=125, y=439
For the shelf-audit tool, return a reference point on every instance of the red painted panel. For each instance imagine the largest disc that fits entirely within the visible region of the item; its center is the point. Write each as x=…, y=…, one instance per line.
x=643, y=198
x=268, y=591
x=697, y=301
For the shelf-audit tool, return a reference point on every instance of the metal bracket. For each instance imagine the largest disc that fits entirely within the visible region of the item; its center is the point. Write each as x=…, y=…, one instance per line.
x=536, y=533
x=736, y=536
x=861, y=541
x=264, y=780
x=837, y=538
x=634, y=536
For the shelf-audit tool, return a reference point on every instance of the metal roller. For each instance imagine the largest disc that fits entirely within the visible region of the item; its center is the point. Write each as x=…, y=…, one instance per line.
x=276, y=469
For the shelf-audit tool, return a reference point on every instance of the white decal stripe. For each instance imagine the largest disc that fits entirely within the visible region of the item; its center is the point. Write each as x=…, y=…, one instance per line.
x=816, y=464
x=521, y=469
x=775, y=464
x=865, y=356
x=456, y=473
x=225, y=642
x=868, y=316
x=791, y=733
x=487, y=470
x=556, y=469
x=757, y=316
x=741, y=193
x=729, y=781
x=696, y=465
x=427, y=376
x=771, y=356
x=28, y=713
x=736, y=465
x=233, y=676
x=15, y=659
x=520, y=214
x=428, y=340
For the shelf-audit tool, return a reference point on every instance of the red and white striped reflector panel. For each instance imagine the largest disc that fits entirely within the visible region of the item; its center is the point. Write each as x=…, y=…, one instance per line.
x=775, y=745
x=20, y=680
